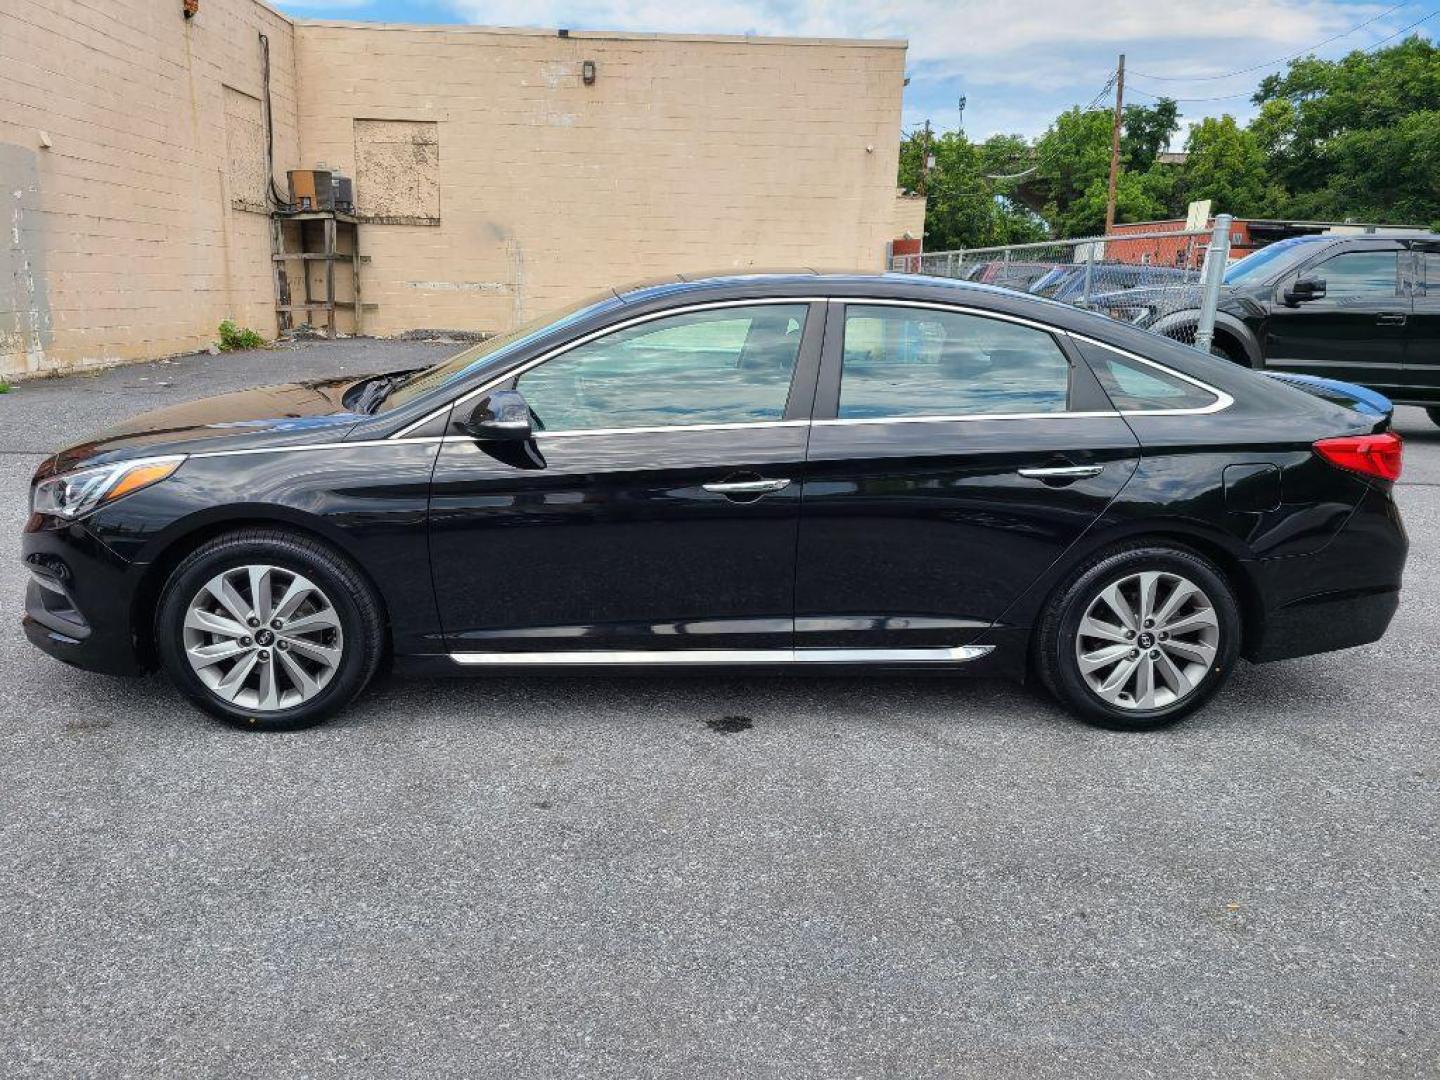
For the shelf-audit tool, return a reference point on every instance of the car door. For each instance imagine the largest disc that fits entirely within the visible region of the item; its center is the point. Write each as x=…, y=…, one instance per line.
x=656, y=507
x=1422, y=346
x=954, y=456
x=1356, y=331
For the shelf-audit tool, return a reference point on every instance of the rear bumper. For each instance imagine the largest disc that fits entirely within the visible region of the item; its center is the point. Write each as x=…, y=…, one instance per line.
x=1342, y=596
x=1324, y=623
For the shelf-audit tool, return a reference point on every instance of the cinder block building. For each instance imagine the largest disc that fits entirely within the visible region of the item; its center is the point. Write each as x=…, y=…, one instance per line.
x=497, y=173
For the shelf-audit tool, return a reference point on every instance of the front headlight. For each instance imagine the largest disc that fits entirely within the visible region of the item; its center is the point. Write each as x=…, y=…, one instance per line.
x=73, y=494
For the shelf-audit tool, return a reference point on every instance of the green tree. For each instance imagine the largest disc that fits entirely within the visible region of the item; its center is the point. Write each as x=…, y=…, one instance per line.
x=1146, y=131
x=1355, y=138
x=1070, y=159
x=964, y=207
x=1226, y=164
x=1073, y=168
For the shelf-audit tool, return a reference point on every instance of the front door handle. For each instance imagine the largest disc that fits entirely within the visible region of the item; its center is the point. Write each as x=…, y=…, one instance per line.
x=1390, y=318
x=1062, y=473
x=746, y=487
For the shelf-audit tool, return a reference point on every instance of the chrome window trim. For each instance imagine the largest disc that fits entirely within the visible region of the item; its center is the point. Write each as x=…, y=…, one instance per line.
x=954, y=654
x=560, y=350
x=963, y=418
x=1222, y=400
x=941, y=305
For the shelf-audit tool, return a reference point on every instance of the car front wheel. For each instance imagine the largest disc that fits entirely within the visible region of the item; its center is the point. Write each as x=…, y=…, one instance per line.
x=1140, y=638
x=268, y=630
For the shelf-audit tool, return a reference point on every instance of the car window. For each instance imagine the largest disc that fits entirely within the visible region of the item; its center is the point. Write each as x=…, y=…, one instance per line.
x=1133, y=386
x=903, y=361
x=473, y=359
x=1259, y=265
x=1430, y=286
x=723, y=366
x=1358, y=273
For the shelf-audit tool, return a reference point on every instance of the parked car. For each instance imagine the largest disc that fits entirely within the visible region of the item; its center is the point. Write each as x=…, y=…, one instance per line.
x=773, y=472
x=1067, y=283
x=1011, y=273
x=1356, y=308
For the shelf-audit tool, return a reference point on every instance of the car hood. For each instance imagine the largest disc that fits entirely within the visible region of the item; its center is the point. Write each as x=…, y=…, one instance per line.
x=265, y=416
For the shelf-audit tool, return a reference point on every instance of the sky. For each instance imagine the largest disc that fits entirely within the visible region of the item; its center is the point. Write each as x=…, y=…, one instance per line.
x=1017, y=63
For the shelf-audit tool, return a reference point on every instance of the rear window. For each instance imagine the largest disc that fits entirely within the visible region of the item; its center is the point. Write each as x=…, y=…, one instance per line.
x=1134, y=386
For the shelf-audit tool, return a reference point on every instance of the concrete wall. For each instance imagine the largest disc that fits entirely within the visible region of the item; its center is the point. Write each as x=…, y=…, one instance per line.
x=536, y=189
x=120, y=239
x=495, y=183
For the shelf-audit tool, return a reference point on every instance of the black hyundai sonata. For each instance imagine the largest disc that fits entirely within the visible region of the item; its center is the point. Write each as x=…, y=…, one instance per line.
x=792, y=472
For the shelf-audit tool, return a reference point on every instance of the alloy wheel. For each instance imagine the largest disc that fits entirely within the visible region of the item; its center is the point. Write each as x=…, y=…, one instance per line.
x=1147, y=640
x=263, y=637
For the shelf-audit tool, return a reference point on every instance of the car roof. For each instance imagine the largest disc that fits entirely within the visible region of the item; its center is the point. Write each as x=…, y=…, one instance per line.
x=782, y=282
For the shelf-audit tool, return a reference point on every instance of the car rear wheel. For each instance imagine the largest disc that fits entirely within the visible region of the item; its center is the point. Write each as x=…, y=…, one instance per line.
x=268, y=630
x=1434, y=414
x=1139, y=638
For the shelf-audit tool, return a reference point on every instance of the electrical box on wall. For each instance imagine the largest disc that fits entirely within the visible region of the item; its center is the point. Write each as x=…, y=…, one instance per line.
x=311, y=189
x=344, y=189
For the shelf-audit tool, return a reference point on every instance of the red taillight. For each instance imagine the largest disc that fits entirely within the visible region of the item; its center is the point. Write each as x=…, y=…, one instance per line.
x=1370, y=455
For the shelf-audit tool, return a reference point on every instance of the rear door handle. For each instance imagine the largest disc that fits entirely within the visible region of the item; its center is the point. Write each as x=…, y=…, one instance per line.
x=746, y=487
x=1063, y=472
x=1390, y=318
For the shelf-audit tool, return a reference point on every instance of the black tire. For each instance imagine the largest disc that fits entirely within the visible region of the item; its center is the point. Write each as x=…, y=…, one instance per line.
x=1055, y=644
x=351, y=596
x=1434, y=414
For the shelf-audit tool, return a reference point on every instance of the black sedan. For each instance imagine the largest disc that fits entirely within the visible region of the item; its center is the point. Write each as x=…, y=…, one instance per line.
x=792, y=472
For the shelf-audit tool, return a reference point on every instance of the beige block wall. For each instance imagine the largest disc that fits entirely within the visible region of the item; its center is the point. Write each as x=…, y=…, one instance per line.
x=685, y=155
x=909, y=218
x=140, y=227
x=120, y=240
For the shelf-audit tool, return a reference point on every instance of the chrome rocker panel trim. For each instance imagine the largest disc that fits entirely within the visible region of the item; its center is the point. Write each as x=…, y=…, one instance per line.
x=957, y=654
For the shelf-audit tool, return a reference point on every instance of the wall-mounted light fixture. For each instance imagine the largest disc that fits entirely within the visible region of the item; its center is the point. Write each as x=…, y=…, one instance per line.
x=587, y=72
x=191, y=8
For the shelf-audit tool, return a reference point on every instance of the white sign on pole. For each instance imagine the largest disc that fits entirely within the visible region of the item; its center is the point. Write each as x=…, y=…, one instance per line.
x=1198, y=215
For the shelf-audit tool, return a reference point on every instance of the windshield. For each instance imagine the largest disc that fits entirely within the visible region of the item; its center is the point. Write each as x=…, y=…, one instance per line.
x=477, y=356
x=1259, y=265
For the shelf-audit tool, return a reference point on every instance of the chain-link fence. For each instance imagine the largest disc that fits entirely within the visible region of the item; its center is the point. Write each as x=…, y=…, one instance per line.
x=1153, y=279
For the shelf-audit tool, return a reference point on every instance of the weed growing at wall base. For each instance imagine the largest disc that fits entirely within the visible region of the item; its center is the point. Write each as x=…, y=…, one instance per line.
x=233, y=337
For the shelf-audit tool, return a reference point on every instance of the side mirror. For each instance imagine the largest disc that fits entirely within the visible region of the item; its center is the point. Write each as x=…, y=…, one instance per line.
x=500, y=416
x=1305, y=289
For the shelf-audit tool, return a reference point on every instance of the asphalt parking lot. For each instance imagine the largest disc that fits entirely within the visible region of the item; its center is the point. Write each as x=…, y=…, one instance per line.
x=552, y=877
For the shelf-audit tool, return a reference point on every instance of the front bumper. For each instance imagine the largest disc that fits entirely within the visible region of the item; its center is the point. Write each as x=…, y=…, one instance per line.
x=79, y=600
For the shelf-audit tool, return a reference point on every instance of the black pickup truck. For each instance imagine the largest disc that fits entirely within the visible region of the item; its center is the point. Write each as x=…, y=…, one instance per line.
x=1361, y=308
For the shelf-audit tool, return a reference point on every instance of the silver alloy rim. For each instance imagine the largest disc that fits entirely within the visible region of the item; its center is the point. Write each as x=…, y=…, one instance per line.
x=1147, y=641
x=263, y=637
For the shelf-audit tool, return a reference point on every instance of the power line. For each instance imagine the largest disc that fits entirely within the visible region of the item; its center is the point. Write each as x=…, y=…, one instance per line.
x=1251, y=93
x=1271, y=63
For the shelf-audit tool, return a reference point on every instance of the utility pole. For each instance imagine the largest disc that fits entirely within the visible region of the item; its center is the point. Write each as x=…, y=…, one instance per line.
x=926, y=161
x=1115, y=143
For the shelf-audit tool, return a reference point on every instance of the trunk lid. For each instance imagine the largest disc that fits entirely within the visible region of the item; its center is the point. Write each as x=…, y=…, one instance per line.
x=1376, y=407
